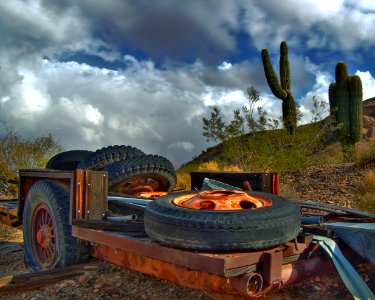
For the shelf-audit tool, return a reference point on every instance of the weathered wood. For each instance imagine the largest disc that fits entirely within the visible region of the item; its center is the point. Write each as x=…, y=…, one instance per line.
x=96, y=195
x=30, y=281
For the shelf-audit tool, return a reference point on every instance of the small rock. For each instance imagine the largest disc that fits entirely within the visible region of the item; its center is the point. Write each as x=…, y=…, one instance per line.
x=66, y=283
x=83, y=278
x=322, y=287
x=97, y=285
x=370, y=133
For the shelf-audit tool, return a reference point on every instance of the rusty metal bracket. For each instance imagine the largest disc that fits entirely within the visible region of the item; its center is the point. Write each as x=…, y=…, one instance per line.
x=272, y=264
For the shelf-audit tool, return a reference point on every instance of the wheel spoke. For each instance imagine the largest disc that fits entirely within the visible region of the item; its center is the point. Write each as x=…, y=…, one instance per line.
x=50, y=251
x=43, y=252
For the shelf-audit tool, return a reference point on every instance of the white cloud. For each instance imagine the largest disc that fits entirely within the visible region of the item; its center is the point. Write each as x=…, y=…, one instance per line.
x=88, y=107
x=224, y=66
x=320, y=91
x=223, y=97
x=186, y=146
x=368, y=84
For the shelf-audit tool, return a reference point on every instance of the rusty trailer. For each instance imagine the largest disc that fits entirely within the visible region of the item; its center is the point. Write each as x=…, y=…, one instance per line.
x=124, y=242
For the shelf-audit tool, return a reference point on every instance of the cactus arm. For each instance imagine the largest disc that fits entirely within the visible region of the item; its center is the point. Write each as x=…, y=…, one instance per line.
x=282, y=90
x=356, y=97
x=284, y=68
x=341, y=73
x=271, y=77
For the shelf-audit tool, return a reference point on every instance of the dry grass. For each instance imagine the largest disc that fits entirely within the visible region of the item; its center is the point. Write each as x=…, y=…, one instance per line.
x=183, y=181
x=232, y=169
x=183, y=176
x=209, y=166
x=365, y=192
x=366, y=151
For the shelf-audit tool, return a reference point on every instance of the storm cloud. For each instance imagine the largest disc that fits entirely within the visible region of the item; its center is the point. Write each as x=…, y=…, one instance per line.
x=95, y=73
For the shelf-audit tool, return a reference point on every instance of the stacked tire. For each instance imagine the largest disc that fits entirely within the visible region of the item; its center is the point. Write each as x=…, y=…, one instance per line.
x=127, y=167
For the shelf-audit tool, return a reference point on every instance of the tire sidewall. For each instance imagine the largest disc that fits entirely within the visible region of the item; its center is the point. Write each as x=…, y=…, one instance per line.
x=37, y=195
x=165, y=204
x=229, y=230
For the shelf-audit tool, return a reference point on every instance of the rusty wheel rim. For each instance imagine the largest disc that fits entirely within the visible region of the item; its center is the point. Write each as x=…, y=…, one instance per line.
x=222, y=200
x=140, y=186
x=43, y=236
x=151, y=195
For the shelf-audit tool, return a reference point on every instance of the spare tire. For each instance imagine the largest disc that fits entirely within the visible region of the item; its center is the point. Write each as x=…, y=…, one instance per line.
x=147, y=173
x=67, y=160
x=247, y=228
x=96, y=160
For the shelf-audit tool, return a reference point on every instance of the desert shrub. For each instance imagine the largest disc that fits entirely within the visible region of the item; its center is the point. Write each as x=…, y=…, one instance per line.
x=183, y=181
x=366, y=151
x=364, y=194
x=232, y=169
x=19, y=153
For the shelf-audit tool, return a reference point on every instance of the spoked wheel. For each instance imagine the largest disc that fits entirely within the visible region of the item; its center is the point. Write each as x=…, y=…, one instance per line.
x=48, y=240
x=222, y=220
x=43, y=236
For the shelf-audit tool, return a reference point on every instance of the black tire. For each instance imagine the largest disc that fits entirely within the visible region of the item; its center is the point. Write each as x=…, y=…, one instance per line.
x=147, y=169
x=67, y=160
x=106, y=155
x=229, y=230
x=53, y=198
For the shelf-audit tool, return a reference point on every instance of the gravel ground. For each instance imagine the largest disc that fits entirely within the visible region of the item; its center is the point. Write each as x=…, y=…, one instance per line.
x=108, y=281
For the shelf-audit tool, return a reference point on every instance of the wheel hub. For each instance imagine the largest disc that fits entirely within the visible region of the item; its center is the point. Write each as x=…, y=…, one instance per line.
x=222, y=200
x=40, y=237
x=43, y=236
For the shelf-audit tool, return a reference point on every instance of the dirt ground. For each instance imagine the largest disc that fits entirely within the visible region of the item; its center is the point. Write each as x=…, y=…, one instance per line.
x=107, y=281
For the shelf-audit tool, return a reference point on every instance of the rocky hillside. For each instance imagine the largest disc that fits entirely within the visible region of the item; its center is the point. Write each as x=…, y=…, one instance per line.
x=368, y=133
x=332, y=184
x=369, y=107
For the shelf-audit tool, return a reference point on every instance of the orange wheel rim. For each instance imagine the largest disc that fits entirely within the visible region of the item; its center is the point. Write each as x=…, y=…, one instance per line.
x=151, y=195
x=222, y=200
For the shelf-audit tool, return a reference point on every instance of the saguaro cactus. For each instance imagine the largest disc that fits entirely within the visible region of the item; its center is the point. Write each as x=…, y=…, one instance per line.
x=282, y=90
x=345, y=100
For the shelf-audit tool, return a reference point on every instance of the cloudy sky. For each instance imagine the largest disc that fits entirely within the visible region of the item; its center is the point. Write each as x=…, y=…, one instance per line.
x=95, y=73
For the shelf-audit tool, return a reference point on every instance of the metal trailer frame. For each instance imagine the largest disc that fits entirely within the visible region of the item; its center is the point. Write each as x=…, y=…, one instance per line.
x=251, y=273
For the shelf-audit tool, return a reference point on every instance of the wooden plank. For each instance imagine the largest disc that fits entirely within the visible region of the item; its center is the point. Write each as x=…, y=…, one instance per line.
x=9, y=207
x=30, y=281
x=96, y=195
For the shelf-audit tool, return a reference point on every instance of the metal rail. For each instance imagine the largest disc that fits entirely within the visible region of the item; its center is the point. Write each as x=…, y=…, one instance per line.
x=128, y=200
